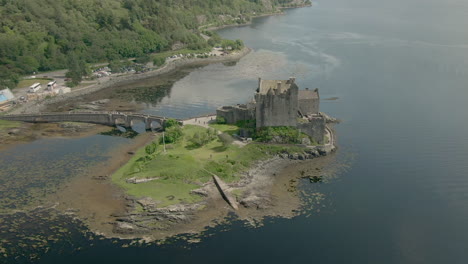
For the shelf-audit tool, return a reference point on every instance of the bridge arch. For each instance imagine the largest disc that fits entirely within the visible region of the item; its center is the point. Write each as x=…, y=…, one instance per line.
x=125, y=120
x=119, y=121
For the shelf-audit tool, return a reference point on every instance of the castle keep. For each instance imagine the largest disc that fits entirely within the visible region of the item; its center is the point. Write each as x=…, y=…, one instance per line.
x=280, y=103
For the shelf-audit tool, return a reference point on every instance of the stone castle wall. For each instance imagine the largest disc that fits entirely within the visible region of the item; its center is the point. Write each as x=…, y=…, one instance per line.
x=315, y=129
x=309, y=106
x=233, y=114
x=277, y=109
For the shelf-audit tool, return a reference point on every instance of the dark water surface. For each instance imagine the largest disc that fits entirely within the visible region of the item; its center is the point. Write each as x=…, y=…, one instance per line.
x=400, y=72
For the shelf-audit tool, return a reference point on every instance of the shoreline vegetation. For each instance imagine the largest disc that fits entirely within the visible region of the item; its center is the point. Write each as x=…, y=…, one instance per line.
x=111, y=31
x=169, y=192
x=38, y=106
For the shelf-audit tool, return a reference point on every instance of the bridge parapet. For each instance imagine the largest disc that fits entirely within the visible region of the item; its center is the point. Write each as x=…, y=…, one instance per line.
x=104, y=118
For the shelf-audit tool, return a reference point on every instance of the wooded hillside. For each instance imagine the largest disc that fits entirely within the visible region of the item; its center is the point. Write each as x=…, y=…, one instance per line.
x=41, y=35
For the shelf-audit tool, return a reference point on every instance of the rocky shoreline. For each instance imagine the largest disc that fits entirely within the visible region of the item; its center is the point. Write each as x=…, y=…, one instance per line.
x=253, y=193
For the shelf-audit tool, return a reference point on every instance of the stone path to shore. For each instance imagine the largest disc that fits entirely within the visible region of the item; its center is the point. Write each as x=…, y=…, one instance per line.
x=200, y=121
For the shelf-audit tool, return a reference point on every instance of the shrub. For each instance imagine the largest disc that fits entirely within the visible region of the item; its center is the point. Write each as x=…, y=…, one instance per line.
x=151, y=148
x=220, y=120
x=158, y=61
x=170, y=123
x=172, y=134
x=203, y=138
x=226, y=139
x=281, y=134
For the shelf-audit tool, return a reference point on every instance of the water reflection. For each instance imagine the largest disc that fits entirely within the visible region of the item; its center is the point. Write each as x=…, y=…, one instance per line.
x=31, y=171
x=121, y=132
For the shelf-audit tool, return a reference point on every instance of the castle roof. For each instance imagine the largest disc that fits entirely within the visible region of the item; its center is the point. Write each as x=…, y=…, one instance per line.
x=308, y=94
x=282, y=85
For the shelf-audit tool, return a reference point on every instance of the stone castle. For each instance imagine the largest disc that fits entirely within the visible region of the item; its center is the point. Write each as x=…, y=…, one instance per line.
x=281, y=103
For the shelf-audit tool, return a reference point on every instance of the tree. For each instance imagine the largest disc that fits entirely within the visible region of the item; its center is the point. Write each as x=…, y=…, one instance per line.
x=172, y=134
x=144, y=59
x=226, y=139
x=151, y=148
x=170, y=123
x=202, y=138
x=220, y=120
x=159, y=61
x=77, y=69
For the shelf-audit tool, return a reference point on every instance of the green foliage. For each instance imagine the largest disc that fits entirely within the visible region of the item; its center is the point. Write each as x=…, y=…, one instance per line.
x=172, y=134
x=246, y=123
x=226, y=139
x=159, y=61
x=215, y=39
x=228, y=44
x=77, y=69
x=170, y=123
x=151, y=148
x=281, y=134
x=202, y=138
x=117, y=66
x=220, y=120
x=143, y=59
x=39, y=35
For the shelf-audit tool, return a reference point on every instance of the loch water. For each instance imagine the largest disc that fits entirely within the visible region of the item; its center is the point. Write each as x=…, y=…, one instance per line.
x=396, y=74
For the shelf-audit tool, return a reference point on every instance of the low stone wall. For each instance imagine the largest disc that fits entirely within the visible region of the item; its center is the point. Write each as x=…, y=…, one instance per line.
x=103, y=118
x=233, y=114
x=314, y=128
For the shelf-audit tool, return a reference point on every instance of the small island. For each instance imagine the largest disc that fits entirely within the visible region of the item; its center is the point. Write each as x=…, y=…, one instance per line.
x=212, y=163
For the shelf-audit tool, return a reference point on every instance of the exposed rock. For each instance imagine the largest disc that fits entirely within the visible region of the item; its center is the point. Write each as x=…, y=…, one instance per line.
x=321, y=152
x=135, y=180
x=124, y=228
x=256, y=202
x=305, y=141
x=147, y=203
x=14, y=131
x=201, y=192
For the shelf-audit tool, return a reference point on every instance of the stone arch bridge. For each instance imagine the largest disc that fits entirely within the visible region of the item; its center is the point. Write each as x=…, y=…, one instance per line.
x=103, y=118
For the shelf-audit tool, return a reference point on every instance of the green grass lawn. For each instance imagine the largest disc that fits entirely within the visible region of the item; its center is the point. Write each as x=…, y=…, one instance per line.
x=225, y=128
x=9, y=124
x=29, y=82
x=182, y=168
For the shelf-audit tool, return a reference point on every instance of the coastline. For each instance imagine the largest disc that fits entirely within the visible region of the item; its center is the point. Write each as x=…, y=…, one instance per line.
x=38, y=106
x=267, y=188
x=264, y=171
x=257, y=16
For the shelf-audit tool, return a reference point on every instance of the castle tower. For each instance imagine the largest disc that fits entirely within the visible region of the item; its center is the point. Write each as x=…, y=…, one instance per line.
x=276, y=103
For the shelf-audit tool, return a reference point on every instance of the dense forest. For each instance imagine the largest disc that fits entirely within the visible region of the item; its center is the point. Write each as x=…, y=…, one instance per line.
x=42, y=35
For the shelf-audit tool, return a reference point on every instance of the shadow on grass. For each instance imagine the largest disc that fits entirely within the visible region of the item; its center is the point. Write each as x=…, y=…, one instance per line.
x=219, y=148
x=192, y=146
x=231, y=132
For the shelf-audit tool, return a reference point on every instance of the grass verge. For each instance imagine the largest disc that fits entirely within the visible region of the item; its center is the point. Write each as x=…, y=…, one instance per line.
x=29, y=82
x=9, y=124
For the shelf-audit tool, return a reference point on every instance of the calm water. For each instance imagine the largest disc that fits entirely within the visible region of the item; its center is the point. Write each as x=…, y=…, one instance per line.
x=400, y=71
